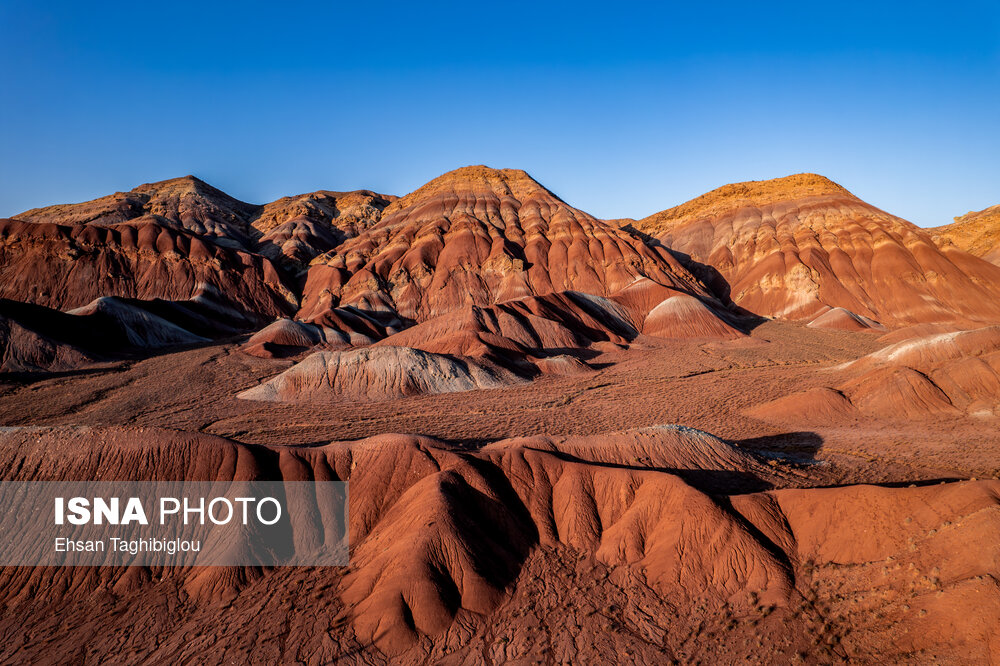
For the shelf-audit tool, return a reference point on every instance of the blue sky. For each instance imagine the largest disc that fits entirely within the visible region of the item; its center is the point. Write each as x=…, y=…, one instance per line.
x=623, y=109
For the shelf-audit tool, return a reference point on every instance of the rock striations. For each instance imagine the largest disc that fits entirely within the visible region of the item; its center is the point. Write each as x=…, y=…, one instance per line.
x=795, y=246
x=553, y=517
x=977, y=233
x=921, y=378
x=225, y=265
x=450, y=548
x=184, y=204
x=487, y=264
x=63, y=266
x=479, y=237
x=295, y=230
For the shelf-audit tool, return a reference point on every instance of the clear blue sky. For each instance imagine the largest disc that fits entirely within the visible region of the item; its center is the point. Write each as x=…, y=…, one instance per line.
x=621, y=108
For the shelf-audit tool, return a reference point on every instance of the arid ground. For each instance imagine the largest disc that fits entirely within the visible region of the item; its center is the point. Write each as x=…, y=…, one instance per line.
x=761, y=426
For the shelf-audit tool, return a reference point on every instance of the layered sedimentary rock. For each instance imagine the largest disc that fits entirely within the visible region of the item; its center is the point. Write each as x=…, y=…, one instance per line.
x=376, y=373
x=793, y=247
x=68, y=266
x=474, y=238
x=478, y=237
x=917, y=378
x=453, y=550
x=977, y=233
x=297, y=229
x=184, y=204
x=289, y=231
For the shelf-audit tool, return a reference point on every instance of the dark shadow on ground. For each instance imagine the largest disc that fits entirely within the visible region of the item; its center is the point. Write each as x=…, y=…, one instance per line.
x=794, y=447
x=922, y=483
x=26, y=378
x=708, y=276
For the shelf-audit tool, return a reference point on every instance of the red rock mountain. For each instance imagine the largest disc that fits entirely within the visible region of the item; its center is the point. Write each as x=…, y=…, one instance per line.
x=542, y=511
x=186, y=204
x=795, y=246
x=297, y=229
x=977, y=233
x=491, y=266
x=68, y=266
x=171, y=240
x=477, y=237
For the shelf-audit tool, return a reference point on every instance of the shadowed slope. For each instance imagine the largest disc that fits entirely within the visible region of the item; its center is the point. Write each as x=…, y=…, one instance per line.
x=34, y=338
x=341, y=328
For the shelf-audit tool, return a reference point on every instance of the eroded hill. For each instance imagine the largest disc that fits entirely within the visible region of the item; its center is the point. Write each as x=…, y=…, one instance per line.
x=793, y=246
x=743, y=429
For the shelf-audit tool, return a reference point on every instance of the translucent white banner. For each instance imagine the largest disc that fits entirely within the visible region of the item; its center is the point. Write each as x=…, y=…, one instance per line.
x=173, y=524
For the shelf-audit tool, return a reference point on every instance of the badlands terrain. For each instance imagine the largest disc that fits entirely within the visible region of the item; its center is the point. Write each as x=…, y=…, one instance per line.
x=760, y=426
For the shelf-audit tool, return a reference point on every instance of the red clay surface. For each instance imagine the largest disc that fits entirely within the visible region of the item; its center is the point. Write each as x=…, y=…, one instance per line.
x=654, y=474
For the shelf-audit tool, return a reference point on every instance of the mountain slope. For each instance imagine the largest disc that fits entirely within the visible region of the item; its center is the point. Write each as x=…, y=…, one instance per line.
x=977, y=233
x=481, y=236
x=186, y=204
x=296, y=229
x=63, y=266
x=792, y=247
x=172, y=238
